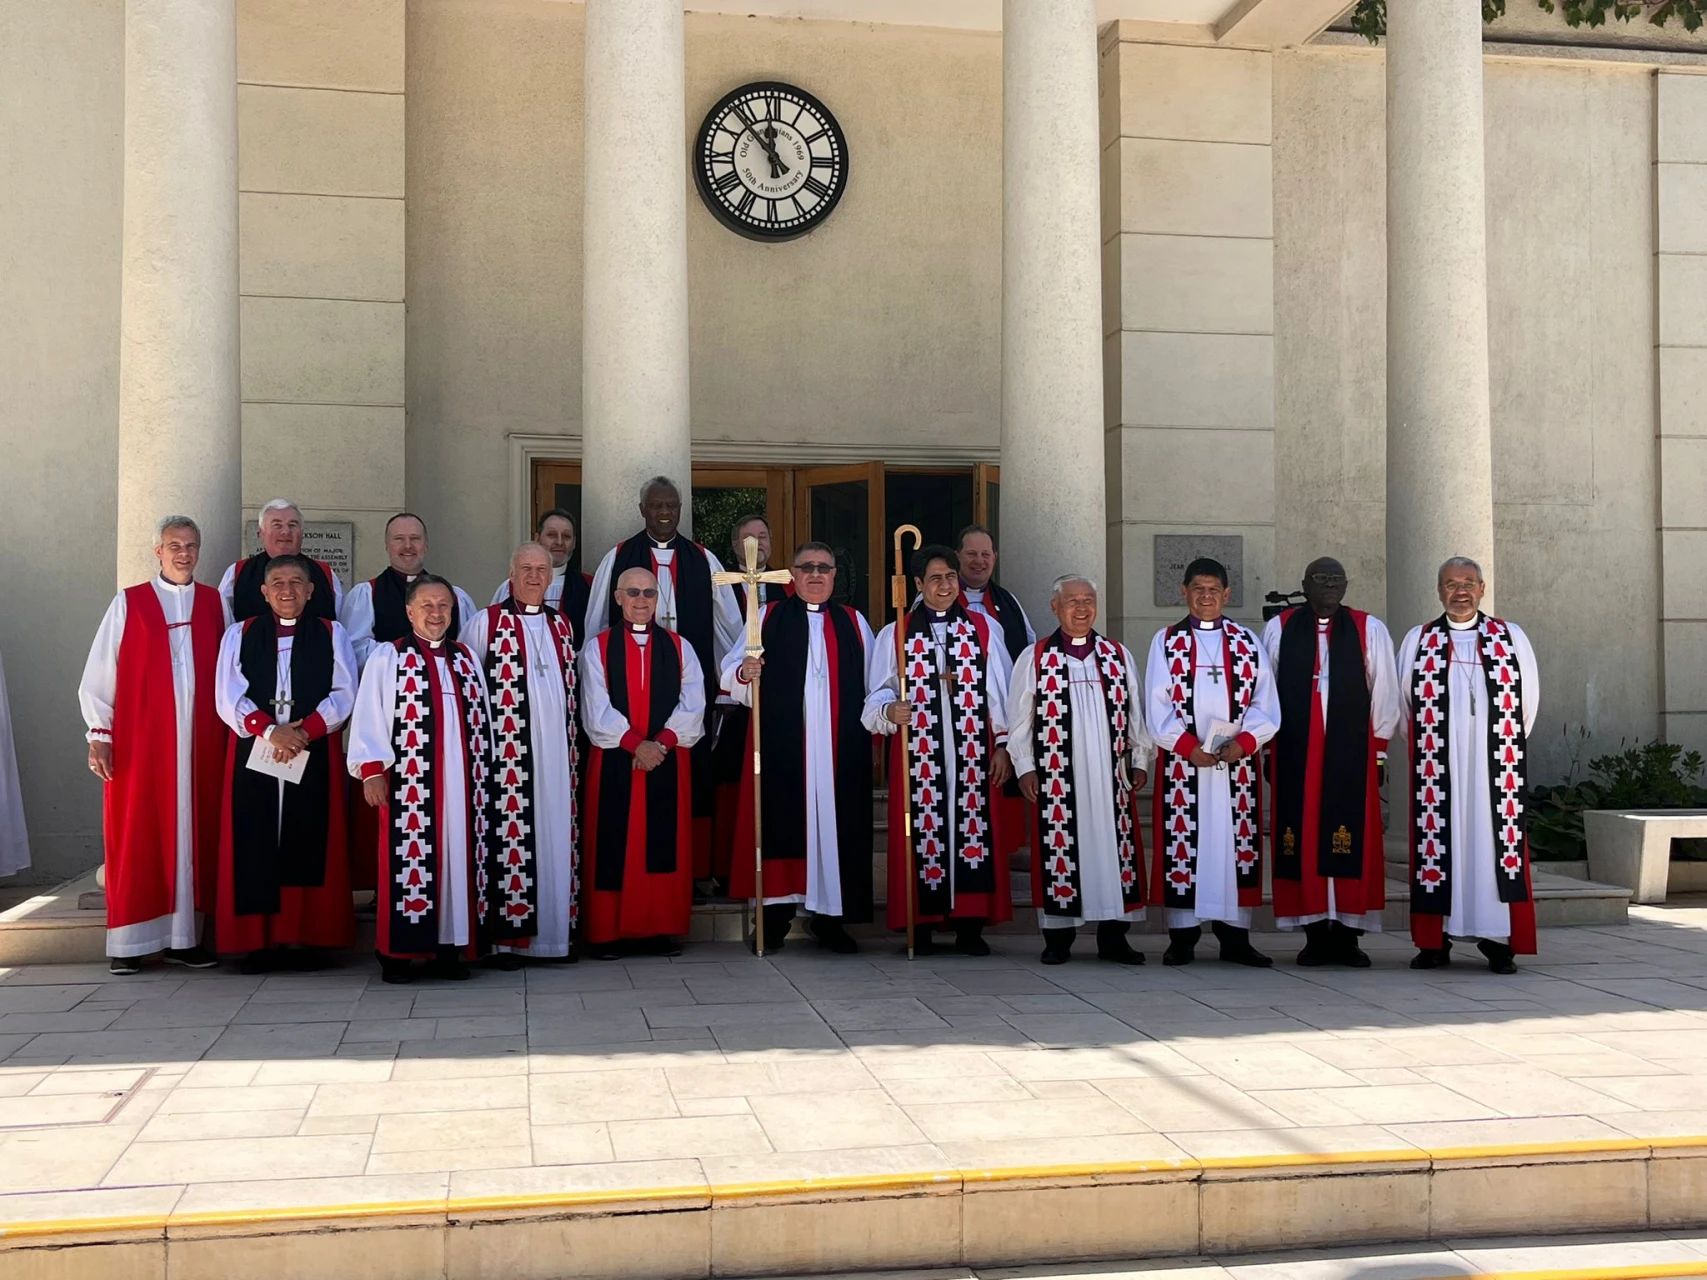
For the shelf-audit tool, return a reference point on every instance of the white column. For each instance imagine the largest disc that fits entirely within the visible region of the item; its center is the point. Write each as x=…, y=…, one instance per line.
x=634, y=308
x=180, y=434
x=1439, y=456
x=1053, y=498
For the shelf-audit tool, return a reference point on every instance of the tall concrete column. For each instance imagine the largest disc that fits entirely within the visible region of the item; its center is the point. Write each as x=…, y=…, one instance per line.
x=1439, y=458
x=1053, y=498
x=634, y=305
x=180, y=432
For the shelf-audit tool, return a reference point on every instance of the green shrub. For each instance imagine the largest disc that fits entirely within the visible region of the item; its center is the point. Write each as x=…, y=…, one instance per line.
x=1654, y=775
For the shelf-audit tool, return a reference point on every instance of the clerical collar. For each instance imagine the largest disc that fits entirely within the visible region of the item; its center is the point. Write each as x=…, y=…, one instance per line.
x=431, y=644
x=284, y=624
x=1469, y=624
x=941, y=615
x=1079, y=640
x=530, y=608
x=557, y=571
x=814, y=608
x=176, y=586
x=640, y=628
x=660, y=546
x=1201, y=625
x=410, y=577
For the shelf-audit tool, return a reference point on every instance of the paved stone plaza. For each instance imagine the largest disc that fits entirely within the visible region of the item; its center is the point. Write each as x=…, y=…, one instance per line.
x=170, y=1089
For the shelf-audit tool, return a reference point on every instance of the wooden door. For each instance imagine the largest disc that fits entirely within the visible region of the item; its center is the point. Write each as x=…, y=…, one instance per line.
x=843, y=506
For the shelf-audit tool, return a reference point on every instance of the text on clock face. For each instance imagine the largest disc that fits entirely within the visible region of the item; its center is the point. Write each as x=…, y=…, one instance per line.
x=771, y=160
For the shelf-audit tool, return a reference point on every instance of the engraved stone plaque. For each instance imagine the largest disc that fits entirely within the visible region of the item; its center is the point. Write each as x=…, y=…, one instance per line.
x=333, y=541
x=1173, y=551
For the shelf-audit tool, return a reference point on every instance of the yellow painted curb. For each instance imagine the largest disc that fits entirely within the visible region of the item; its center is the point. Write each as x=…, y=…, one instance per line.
x=1647, y=1271
x=729, y=1194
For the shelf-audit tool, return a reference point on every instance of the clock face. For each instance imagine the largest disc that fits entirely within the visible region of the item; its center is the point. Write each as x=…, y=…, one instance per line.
x=770, y=161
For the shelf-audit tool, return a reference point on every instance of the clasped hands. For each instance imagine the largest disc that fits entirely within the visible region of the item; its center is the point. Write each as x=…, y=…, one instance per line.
x=1232, y=753
x=288, y=739
x=649, y=755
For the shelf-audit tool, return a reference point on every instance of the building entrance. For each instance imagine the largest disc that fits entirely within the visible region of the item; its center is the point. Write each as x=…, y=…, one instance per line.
x=854, y=507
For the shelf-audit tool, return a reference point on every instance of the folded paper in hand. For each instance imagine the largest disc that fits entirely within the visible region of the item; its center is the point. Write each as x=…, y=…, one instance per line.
x=1221, y=732
x=262, y=760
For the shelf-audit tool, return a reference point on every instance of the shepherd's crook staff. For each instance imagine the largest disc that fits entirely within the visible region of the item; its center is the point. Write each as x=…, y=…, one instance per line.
x=752, y=577
x=899, y=596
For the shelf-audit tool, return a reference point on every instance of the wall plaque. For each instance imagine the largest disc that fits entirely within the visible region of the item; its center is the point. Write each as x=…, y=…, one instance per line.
x=333, y=541
x=1173, y=551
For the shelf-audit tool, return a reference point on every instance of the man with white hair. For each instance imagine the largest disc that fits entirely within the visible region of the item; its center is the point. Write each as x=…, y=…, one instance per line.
x=1469, y=691
x=527, y=653
x=280, y=525
x=157, y=743
x=373, y=612
x=689, y=604
x=568, y=592
x=1080, y=751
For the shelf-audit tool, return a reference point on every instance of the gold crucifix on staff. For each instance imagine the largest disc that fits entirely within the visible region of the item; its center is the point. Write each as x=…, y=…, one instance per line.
x=751, y=577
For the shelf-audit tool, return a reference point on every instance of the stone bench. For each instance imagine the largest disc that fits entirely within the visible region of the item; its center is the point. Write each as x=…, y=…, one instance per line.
x=1633, y=846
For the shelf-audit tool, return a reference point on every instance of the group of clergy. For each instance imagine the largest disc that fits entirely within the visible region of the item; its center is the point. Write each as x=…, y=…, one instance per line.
x=237, y=823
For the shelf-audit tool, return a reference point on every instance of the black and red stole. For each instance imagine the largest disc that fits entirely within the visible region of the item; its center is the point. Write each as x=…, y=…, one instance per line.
x=247, y=601
x=1431, y=771
x=939, y=835
x=390, y=620
x=140, y=822
x=1001, y=603
x=271, y=850
x=1176, y=790
x=409, y=893
x=656, y=667
x=1055, y=817
x=787, y=638
x=509, y=911
x=1346, y=745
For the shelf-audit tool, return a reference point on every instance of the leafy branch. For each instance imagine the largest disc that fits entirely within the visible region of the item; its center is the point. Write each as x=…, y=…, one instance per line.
x=1369, y=19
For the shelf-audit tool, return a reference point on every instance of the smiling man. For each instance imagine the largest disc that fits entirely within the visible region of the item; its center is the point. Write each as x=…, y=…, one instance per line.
x=567, y=592
x=1211, y=706
x=817, y=757
x=1469, y=691
x=156, y=742
x=373, y=613
x=280, y=527
x=1339, y=704
x=1080, y=749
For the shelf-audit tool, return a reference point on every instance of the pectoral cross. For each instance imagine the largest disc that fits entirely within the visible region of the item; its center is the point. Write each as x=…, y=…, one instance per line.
x=752, y=576
x=281, y=710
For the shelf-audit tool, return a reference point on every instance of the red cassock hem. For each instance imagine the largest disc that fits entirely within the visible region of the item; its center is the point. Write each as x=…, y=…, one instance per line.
x=648, y=904
x=317, y=917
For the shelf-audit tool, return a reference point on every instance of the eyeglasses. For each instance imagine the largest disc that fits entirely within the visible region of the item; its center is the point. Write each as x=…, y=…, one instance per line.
x=1328, y=579
x=815, y=566
x=640, y=593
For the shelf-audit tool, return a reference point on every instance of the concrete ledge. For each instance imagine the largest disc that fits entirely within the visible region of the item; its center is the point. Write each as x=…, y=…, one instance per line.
x=966, y=1217
x=1633, y=847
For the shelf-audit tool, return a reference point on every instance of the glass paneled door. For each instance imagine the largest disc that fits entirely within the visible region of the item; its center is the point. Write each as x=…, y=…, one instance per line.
x=557, y=486
x=843, y=506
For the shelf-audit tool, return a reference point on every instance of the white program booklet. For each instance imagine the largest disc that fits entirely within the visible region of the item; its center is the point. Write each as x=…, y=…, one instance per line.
x=1221, y=732
x=262, y=759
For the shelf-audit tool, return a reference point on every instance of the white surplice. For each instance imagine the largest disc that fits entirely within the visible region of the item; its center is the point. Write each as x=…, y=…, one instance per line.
x=885, y=686
x=1093, y=772
x=95, y=696
x=605, y=725
x=14, y=836
x=728, y=628
x=977, y=599
x=553, y=589
x=355, y=611
x=228, y=585
x=231, y=690
x=1217, y=888
x=553, y=791
x=1477, y=911
x=373, y=742
x=1382, y=678
x=823, y=894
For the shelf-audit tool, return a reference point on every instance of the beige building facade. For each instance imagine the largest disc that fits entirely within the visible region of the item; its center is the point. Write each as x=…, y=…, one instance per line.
x=1156, y=277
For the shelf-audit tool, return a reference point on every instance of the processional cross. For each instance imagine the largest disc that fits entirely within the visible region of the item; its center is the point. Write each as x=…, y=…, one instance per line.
x=752, y=576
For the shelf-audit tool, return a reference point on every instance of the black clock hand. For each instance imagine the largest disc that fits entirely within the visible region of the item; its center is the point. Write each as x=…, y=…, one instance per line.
x=768, y=145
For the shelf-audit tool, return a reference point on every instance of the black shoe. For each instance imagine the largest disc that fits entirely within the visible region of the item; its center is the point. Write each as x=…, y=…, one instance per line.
x=262, y=961
x=1057, y=945
x=189, y=957
x=504, y=961
x=969, y=939
x=1346, y=950
x=571, y=958
x=1319, y=947
x=448, y=965
x=779, y=916
x=702, y=892
x=304, y=959
x=1182, y=945
x=661, y=945
x=394, y=971
x=601, y=951
x=1433, y=957
x=1236, y=947
x=1113, y=946
x=924, y=944
x=827, y=932
x=1500, y=956
x=124, y=966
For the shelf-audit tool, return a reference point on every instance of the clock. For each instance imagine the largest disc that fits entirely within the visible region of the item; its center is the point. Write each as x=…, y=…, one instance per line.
x=770, y=161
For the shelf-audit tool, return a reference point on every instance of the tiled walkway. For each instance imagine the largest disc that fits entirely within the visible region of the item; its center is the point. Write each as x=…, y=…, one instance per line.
x=179, y=1090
